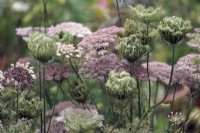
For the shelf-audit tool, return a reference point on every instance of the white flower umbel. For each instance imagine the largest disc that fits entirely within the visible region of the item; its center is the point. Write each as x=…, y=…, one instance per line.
x=20, y=6
x=68, y=50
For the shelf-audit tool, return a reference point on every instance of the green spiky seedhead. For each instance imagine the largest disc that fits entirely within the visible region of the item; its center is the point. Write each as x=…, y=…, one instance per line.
x=147, y=15
x=82, y=121
x=43, y=48
x=173, y=29
x=64, y=37
x=120, y=84
x=29, y=104
x=130, y=27
x=132, y=48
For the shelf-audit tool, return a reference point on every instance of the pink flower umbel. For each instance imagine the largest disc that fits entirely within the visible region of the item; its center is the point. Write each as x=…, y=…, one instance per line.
x=100, y=42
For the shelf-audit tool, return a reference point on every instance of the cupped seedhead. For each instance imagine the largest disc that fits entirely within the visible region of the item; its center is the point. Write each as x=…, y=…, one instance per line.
x=132, y=48
x=120, y=84
x=173, y=29
x=42, y=48
x=147, y=15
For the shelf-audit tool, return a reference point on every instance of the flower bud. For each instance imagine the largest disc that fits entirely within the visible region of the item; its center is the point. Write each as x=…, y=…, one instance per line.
x=41, y=47
x=132, y=48
x=120, y=84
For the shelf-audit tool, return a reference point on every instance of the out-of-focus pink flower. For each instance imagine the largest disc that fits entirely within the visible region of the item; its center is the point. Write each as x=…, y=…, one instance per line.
x=99, y=42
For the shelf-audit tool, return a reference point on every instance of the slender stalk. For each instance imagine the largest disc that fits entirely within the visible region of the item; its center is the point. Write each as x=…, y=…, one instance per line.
x=17, y=109
x=149, y=82
x=44, y=98
x=120, y=20
x=155, y=99
x=117, y=122
x=169, y=85
x=56, y=100
x=40, y=92
x=139, y=102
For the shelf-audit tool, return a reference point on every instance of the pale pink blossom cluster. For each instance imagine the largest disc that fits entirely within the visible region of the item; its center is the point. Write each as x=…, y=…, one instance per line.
x=194, y=41
x=75, y=29
x=99, y=42
x=186, y=71
x=159, y=70
x=68, y=50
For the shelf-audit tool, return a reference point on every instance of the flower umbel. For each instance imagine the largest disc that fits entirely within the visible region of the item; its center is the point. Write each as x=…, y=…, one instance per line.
x=173, y=29
x=41, y=47
x=79, y=120
x=120, y=84
x=147, y=15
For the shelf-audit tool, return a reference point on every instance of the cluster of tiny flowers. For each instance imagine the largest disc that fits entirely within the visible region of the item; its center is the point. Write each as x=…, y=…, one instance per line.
x=194, y=39
x=186, y=70
x=159, y=70
x=99, y=68
x=75, y=29
x=175, y=118
x=68, y=50
x=1, y=78
x=26, y=66
x=100, y=41
x=56, y=72
x=79, y=120
x=139, y=72
x=18, y=77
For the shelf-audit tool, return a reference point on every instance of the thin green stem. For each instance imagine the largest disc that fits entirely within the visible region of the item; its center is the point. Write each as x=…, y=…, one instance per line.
x=139, y=98
x=149, y=82
x=40, y=92
x=169, y=85
x=117, y=121
x=56, y=100
x=44, y=98
x=17, y=109
x=120, y=20
x=155, y=99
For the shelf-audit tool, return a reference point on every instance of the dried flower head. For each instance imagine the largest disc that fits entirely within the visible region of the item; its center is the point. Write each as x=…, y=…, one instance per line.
x=29, y=104
x=22, y=126
x=100, y=42
x=147, y=15
x=18, y=78
x=68, y=50
x=132, y=48
x=41, y=47
x=175, y=118
x=79, y=120
x=173, y=29
x=194, y=41
x=75, y=29
x=120, y=84
x=56, y=72
x=99, y=68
